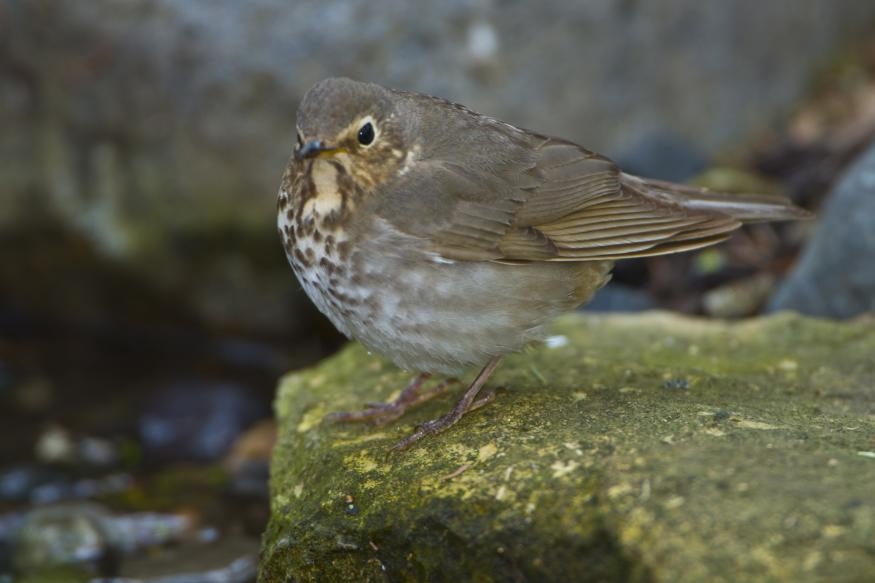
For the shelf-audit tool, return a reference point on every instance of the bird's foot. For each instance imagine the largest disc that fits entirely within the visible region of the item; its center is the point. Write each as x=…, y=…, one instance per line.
x=440, y=424
x=380, y=414
x=468, y=402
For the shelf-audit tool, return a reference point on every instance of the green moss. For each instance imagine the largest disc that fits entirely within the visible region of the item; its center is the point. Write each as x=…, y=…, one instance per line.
x=195, y=486
x=58, y=575
x=646, y=447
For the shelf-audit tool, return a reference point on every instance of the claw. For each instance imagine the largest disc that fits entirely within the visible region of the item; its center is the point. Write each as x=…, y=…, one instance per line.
x=468, y=402
x=383, y=413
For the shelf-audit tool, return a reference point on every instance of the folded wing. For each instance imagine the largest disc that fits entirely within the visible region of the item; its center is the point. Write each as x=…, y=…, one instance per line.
x=565, y=203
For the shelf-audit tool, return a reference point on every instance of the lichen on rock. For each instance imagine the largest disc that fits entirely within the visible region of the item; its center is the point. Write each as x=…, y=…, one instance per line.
x=633, y=448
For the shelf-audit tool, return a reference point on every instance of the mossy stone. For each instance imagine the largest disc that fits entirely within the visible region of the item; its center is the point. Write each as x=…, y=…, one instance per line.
x=627, y=448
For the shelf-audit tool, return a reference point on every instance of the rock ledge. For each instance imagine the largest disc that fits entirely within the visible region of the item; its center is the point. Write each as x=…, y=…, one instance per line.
x=633, y=447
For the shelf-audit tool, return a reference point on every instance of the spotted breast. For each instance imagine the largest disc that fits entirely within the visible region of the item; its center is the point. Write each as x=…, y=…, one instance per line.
x=313, y=206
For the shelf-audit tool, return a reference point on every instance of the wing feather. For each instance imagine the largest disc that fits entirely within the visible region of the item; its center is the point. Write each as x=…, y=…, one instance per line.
x=551, y=200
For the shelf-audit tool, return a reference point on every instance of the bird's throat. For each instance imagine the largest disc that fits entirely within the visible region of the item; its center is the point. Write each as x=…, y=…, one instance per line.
x=326, y=195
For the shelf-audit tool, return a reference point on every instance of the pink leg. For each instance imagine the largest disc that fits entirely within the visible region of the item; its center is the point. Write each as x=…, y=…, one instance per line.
x=468, y=402
x=383, y=413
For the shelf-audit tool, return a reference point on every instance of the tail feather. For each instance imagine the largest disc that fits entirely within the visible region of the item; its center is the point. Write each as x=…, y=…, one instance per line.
x=748, y=208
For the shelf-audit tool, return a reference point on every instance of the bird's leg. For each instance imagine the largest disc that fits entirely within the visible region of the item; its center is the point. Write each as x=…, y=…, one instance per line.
x=383, y=413
x=468, y=402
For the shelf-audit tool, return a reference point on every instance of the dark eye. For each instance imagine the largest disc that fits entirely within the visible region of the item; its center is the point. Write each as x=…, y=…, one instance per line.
x=366, y=134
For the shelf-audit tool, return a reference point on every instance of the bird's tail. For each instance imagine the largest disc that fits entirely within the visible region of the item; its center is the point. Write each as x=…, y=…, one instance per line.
x=748, y=208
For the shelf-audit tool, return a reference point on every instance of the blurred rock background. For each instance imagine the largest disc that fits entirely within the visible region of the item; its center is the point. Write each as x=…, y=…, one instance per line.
x=142, y=141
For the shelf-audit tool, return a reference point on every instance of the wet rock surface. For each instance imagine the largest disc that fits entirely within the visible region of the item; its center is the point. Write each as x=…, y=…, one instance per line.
x=637, y=448
x=835, y=278
x=199, y=537
x=74, y=538
x=196, y=421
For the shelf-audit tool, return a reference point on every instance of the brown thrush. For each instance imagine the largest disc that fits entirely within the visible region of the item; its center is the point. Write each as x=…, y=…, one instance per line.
x=444, y=239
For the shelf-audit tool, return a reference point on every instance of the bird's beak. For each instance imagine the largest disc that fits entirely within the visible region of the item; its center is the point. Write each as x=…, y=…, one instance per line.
x=315, y=149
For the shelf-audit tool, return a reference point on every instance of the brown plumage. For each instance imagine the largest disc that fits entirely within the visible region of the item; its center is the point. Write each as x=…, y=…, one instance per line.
x=444, y=239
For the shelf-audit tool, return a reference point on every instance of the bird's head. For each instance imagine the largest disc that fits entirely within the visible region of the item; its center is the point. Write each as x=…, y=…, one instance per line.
x=356, y=125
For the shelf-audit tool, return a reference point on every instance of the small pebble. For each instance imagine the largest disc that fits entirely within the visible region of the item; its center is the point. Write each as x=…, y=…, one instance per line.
x=722, y=415
x=75, y=535
x=678, y=384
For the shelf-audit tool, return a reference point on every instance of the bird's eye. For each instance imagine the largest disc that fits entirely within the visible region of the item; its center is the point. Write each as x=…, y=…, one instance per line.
x=300, y=139
x=366, y=134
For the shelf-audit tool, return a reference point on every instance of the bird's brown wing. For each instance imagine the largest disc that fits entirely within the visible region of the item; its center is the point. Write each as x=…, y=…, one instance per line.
x=568, y=204
x=584, y=208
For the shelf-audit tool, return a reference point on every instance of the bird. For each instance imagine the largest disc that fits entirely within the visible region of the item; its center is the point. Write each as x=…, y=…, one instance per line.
x=445, y=239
